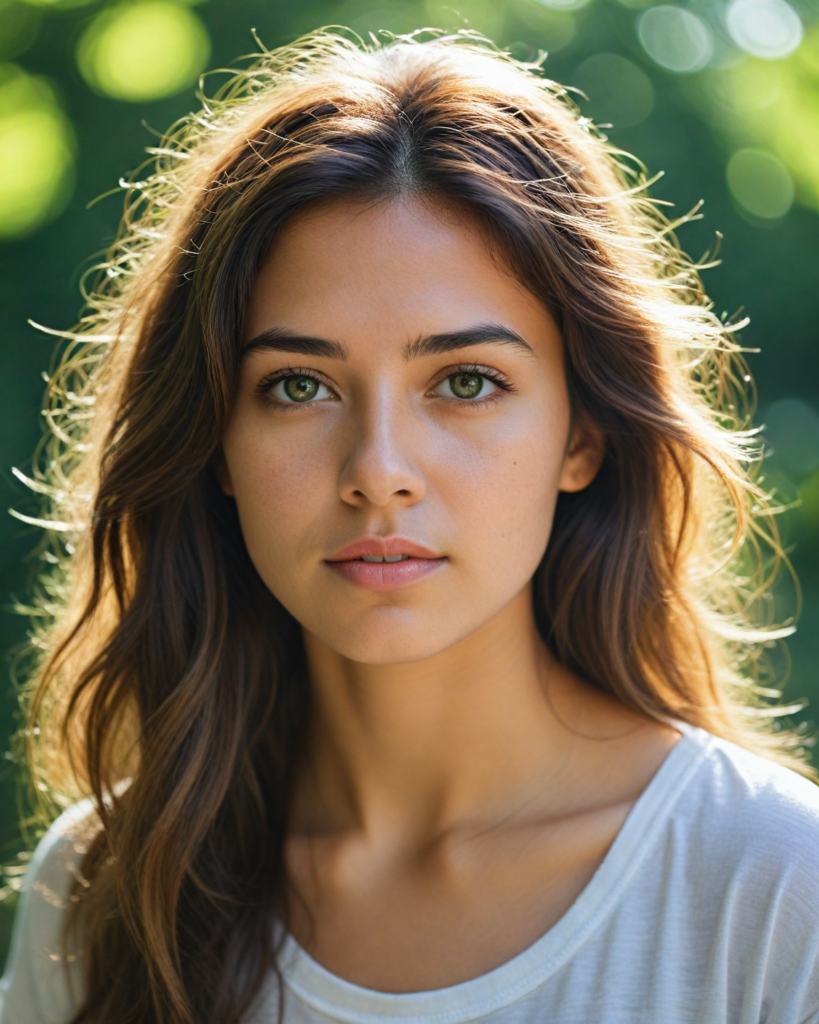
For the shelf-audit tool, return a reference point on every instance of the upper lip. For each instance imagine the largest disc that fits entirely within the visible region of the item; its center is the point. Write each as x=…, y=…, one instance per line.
x=387, y=547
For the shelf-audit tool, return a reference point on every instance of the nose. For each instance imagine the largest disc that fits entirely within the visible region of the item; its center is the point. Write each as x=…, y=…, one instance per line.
x=379, y=469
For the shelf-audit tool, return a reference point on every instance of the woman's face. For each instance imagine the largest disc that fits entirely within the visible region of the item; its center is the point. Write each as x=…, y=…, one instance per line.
x=401, y=396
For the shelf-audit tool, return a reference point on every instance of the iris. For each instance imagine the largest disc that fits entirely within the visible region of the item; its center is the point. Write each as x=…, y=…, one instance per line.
x=466, y=385
x=300, y=389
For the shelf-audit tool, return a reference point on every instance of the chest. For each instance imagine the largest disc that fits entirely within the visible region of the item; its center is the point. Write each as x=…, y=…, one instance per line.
x=448, y=914
x=648, y=940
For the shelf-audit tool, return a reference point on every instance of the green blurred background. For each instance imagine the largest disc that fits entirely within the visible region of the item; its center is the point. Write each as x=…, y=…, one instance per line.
x=721, y=96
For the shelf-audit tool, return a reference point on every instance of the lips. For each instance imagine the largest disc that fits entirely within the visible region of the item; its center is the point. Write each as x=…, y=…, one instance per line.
x=391, y=563
x=382, y=547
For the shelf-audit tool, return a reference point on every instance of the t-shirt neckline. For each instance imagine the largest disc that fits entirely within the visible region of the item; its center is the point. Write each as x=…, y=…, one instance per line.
x=343, y=1001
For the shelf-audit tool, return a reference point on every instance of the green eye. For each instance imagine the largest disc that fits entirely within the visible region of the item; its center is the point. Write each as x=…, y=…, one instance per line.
x=466, y=385
x=300, y=389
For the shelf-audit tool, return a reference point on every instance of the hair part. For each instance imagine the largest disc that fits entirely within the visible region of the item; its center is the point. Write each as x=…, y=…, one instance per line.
x=170, y=684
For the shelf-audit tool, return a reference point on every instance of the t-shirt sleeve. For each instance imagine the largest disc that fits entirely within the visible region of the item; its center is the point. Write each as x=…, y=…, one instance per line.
x=763, y=854
x=41, y=981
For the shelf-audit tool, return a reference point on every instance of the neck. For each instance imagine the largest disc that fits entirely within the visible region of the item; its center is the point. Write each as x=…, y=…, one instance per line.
x=421, y=747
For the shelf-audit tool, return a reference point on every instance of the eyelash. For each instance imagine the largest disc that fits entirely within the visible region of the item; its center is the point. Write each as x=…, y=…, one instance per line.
x=266, y=384
x=497, y=378
x=500, y=380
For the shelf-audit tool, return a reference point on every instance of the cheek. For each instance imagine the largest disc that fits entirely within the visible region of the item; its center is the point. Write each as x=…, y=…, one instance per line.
x=500, y=488
x=281, y=481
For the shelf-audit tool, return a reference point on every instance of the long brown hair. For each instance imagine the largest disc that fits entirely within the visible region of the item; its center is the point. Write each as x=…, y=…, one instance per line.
x=170, y=684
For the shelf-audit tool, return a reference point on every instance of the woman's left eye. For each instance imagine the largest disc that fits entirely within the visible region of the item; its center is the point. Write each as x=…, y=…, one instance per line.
x=466, y=385
x=299, y=389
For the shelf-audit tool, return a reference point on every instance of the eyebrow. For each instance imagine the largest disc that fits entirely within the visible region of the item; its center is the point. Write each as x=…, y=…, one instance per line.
x=480, y=334
x=281, y=339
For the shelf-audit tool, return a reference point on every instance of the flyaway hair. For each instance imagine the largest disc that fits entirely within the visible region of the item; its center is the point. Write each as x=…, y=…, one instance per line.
x=167, y=683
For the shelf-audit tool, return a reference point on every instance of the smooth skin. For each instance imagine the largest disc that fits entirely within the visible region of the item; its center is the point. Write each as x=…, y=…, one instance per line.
x=459, y=787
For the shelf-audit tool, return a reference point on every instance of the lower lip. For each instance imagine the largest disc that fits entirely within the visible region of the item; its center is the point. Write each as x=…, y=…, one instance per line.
x=387, y=575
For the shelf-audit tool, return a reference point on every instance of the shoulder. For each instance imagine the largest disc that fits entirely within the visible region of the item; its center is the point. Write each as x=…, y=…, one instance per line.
x=54, y=867
x=755, y=798
x=751, y=829
x=729, y=898
x=40, y=980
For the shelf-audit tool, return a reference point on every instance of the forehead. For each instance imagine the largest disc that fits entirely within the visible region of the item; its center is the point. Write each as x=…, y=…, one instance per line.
x=395, y=270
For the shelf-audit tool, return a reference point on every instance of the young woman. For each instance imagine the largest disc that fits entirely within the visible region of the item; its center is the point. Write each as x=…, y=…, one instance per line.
x=400, y=658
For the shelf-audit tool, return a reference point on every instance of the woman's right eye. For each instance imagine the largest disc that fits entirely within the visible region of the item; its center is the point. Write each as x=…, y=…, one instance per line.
x=299, y=390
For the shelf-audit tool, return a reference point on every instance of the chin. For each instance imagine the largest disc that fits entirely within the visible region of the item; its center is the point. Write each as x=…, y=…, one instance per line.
x=391, y=636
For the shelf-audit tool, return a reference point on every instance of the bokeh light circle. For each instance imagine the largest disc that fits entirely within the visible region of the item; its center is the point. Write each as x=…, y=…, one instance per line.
x=809, y=497
x=563, y=5
x=770, y=29
x=675, y=38
x=61, y=5
x=143, y=51
x=553, y=29
x=760, y=183
x=36, y=153
x=619, y=92
x=792, y=432
x=19, y=26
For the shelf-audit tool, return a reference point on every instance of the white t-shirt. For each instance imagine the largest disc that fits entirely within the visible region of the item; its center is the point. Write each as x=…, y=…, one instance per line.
x=704, y=911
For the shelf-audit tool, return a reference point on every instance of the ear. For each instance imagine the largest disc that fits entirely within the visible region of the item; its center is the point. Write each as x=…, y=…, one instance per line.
x=583, y=458
x=220, y=468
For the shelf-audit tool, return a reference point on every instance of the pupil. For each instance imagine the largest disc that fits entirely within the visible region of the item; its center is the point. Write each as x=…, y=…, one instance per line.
x=466, y=385
x=300, y=388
